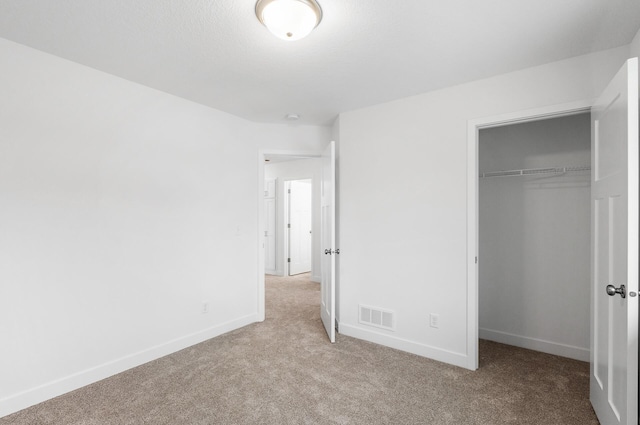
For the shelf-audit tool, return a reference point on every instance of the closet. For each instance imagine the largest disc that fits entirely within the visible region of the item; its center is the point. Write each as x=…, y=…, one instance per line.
x=534, y=235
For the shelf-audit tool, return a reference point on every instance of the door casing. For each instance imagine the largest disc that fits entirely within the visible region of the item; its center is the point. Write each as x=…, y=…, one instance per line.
x=473, y=128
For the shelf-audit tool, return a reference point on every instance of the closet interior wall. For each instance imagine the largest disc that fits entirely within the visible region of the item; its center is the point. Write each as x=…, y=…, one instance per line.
x=534, y=236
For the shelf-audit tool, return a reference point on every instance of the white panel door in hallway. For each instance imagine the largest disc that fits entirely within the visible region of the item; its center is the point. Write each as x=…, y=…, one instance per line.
x=299, y=195
x=614, y=229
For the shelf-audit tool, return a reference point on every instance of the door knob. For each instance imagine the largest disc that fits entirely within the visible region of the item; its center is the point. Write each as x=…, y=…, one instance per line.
x=327, y=251
x=612, y=290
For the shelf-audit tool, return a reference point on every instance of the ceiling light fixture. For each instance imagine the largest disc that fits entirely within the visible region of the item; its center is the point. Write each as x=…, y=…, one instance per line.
x=289, y=19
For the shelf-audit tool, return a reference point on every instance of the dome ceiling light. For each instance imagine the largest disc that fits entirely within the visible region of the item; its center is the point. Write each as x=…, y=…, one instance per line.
x=289, y=19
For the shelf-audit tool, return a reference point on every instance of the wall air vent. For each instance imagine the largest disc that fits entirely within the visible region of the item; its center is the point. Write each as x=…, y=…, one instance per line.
x=378, y=317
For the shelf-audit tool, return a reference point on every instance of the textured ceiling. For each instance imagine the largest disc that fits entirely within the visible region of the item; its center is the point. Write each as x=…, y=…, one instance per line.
x=363, y=52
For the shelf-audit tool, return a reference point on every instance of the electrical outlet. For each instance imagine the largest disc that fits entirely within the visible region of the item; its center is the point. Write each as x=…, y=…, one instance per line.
x=205, y=307
x=434, y=320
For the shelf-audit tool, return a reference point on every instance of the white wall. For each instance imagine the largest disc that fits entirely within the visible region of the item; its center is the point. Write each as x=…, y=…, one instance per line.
x=403, y=199
x=296, y=170
x=634, y=46
x=534, y=237
x=284, y=138
x=122, y=209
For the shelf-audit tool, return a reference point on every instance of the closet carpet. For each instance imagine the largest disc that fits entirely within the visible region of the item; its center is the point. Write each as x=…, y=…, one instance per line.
x=284, y=371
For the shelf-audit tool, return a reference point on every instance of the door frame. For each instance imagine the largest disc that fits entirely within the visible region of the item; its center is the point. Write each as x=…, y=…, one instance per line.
x=294, y=154
x=473, y=128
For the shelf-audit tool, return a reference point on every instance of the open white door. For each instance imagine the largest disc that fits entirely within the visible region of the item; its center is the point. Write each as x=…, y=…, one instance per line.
x=614, y=241
x=270, y=226
x=299, y=226
x=328, y=215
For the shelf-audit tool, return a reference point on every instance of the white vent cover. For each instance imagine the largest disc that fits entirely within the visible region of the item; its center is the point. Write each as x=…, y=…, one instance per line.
x=378, y=317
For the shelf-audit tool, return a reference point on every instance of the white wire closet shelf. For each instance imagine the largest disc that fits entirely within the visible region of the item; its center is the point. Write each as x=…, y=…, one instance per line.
x=535, y=171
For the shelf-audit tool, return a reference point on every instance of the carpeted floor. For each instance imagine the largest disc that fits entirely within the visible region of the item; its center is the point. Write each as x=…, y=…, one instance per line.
x=284, y=371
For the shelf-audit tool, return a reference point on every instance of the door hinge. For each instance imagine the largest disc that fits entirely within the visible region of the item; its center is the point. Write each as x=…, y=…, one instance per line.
x=476, y=260
x=288, y=260
x=288, y=225
x=289, y=191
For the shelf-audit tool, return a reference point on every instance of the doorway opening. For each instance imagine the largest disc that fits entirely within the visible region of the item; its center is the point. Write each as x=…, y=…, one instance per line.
x=613, y=376
x=534, y=230
x=275, y=170
x=474, y=128
x=326, y=179
x=291, y=213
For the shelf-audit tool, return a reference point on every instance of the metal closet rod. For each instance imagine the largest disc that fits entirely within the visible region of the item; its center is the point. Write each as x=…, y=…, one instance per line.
x=535, y=171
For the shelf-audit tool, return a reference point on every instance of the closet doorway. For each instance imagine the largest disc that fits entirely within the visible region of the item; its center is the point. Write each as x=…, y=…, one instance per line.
x=534, y=234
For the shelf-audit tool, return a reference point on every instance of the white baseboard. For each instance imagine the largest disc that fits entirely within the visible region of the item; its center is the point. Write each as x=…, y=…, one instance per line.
x=548, y=347
x=316, y=279
x=32, y=396
x=413, y=347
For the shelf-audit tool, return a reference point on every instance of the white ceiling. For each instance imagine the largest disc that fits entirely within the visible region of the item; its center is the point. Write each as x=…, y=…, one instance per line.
x=363, y=52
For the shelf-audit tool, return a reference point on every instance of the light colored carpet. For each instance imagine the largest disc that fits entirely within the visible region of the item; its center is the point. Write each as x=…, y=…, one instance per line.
x=284, y=371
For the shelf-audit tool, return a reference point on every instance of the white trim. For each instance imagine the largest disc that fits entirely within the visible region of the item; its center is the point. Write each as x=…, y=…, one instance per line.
x=549, y=347
x=260, y=239
x=316, y=279
x=535, y=114
x=55, y=388
x=456, y=359
x=473, y=355
x=473, y=126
